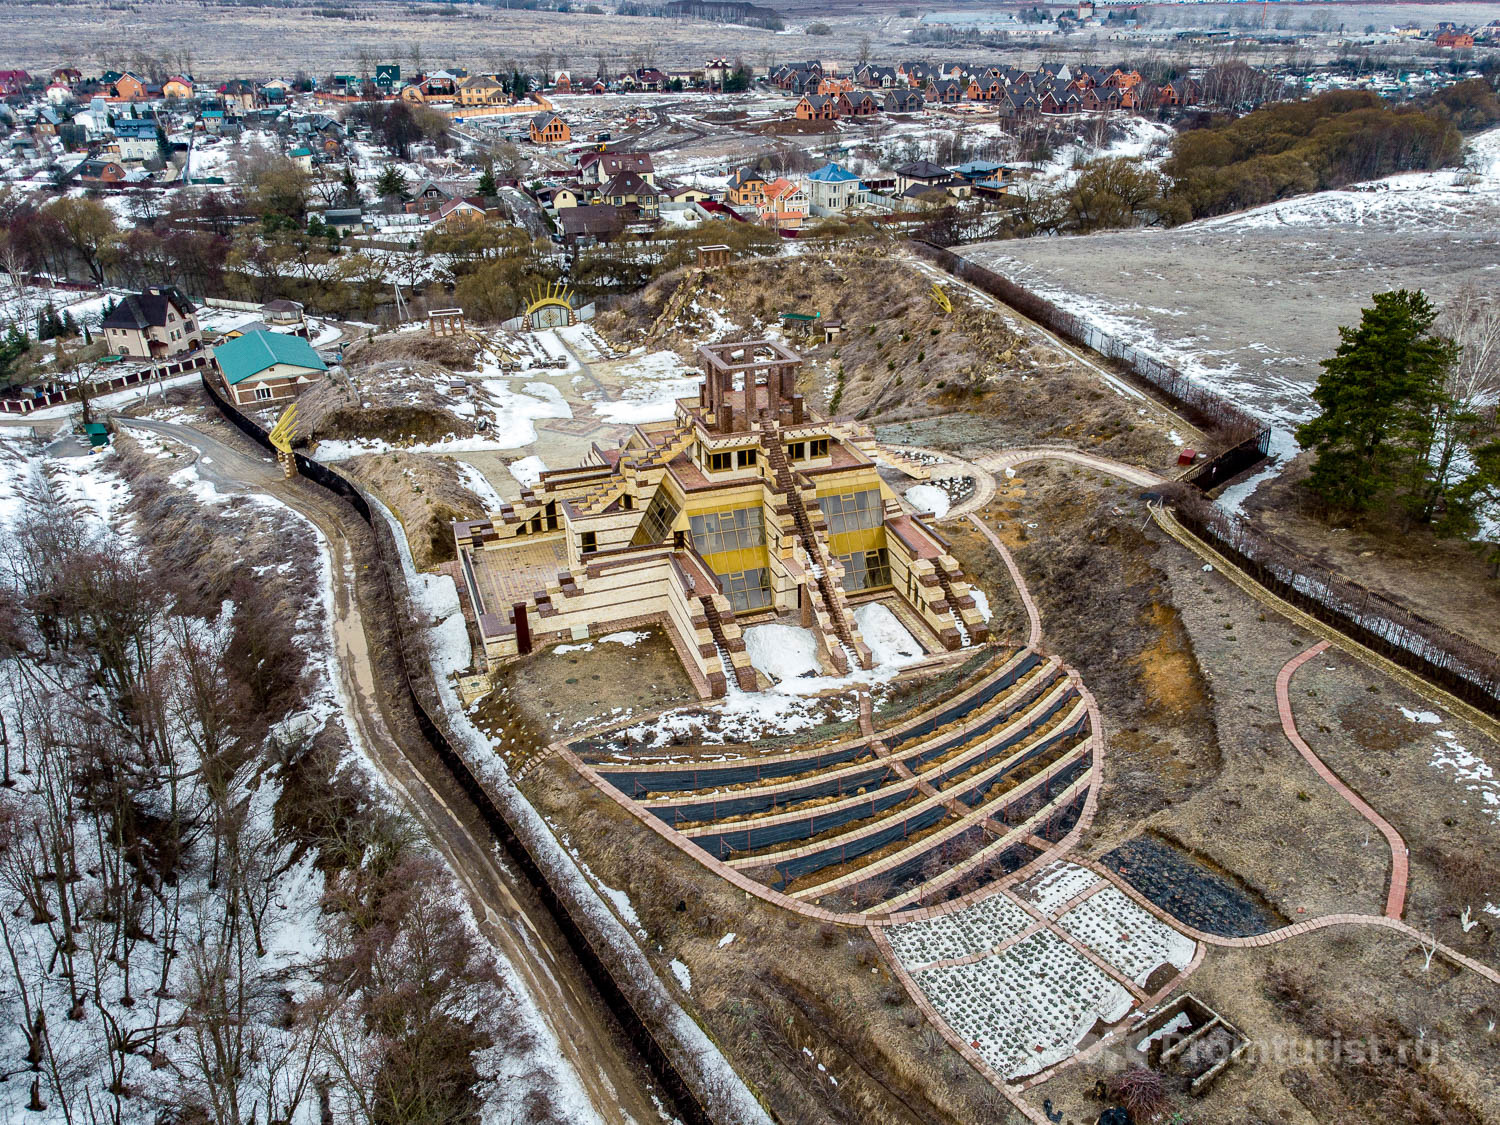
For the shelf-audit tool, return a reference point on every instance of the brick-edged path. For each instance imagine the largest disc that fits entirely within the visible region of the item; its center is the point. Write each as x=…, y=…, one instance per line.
x=1395, y=899
x=1034, y=629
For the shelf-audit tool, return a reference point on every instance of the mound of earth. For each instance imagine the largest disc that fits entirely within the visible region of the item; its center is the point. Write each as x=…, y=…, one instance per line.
x=426, y=493
x=392, y=400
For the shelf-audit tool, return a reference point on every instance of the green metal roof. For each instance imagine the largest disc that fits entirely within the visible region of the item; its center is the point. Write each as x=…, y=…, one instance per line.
x=252, y=353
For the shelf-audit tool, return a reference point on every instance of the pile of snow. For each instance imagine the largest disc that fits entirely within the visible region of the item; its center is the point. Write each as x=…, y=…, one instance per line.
x=629, y=638
x=890, y=644
x=528, y=470
x=981, y=602
x=928, y=498
x=782, y=652
x=509, y=417
x=479, y=484
x=1469, y=770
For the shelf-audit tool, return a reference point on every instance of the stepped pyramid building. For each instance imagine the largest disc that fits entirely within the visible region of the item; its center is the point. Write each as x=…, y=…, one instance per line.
x=746, y=506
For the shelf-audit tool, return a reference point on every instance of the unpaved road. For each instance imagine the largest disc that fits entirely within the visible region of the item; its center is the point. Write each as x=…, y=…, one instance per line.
x=504, y=906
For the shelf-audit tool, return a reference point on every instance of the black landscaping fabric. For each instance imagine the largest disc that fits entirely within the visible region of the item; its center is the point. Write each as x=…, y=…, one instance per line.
x=735, y=806
x=725, y=845
x=964, y=706
x=846, y=850
x=1189, y=891
x=641, y=783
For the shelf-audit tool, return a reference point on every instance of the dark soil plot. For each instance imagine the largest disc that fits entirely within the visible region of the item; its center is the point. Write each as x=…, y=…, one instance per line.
x=1189, y=891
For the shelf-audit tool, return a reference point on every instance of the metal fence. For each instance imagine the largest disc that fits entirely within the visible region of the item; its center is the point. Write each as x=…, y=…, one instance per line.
x=1247, y=436
x=1462, y=667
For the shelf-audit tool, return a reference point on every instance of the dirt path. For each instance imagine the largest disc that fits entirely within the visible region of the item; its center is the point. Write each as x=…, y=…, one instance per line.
x=504, y=907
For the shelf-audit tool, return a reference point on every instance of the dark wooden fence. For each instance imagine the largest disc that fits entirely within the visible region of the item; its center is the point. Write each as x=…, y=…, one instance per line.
x=1245, y=438
x=685, y=1102
x=1469, y=671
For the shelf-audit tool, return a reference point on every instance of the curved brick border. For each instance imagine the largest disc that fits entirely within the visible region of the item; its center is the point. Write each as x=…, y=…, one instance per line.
x=1395, y=899
x=787, y=902
x=984, y=480
x=1008, y=458
x=1033, y=616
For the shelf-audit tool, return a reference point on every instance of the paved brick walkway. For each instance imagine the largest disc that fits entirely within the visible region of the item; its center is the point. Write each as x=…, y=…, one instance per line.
x=1395, y=899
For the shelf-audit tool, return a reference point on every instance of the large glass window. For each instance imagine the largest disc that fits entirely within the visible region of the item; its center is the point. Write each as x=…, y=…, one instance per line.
x=716, y=532
x=866, y=570
x=747, y=589
x=853, y=511
x=656, y=524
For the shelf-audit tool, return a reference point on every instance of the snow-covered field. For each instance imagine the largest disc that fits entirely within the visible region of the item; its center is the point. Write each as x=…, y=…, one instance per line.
x=928, y=498
x=1249, y=303
x=509, y=415
x=651, y=385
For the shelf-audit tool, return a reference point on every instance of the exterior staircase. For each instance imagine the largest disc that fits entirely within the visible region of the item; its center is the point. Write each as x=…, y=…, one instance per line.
x=652, y=461
x=731, y=648
x=686, y=289
x=833, y=614
x=971, y=628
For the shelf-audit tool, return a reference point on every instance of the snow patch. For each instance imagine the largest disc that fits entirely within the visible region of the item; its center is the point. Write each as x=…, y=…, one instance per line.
x=782, y=652
x=929, y=498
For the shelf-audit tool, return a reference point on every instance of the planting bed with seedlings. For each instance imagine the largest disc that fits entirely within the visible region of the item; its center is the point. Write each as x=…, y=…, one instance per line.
x=1189, y=891
x=809, y=1013
x=1020, y=994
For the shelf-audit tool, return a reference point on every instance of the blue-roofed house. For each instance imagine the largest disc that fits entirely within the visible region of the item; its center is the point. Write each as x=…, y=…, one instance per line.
x=136, y=138
x=833, y=189
x=267, y=366
x=976, y=170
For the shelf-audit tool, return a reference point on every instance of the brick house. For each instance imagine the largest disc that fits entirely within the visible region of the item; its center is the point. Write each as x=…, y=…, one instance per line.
x=597, y=167
x=101, y=172
x=905, y=101
x=626, y=189
x=154, y=324
x=945, y=91
x=482, y=90
x=747, y=188
x=130, y=88
x=267, y=366
x=816, y=107
x=547, y=128
x=1454, y=40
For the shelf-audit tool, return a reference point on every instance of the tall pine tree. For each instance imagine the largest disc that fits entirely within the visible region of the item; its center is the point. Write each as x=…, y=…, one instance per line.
x=1379, y=394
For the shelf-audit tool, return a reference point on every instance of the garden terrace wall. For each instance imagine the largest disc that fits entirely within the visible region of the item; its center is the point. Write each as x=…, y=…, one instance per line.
x=728, y=807
x=1460, y=666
